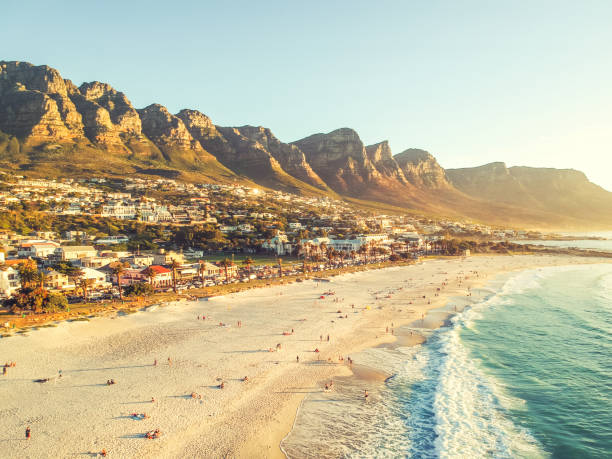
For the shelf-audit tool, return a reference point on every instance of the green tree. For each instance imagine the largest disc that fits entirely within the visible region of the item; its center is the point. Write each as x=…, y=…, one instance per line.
x=139, y=289
x=174, y=265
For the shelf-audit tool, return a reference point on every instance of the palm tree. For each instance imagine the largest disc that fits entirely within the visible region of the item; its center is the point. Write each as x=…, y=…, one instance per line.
x=323, y=247
x=174, y=265
x=85, y=283
x=363, y=250
x=330, y=253
x=118, y=269
x=226, y=263
x=150, y=273
x=248, y=261
x=201, y=265
x=280, y=267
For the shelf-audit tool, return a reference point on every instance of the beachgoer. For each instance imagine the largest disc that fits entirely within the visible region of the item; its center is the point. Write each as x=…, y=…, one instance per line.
x=28, y=433
x=297, y=359
x=152, y=399
x=4, y=370
x=103, y=452
x=365, y=394
x=327, y=338
x=169, y=362
x=245, y=379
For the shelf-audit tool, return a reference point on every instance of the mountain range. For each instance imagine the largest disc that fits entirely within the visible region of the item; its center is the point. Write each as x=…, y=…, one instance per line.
x=51, y=127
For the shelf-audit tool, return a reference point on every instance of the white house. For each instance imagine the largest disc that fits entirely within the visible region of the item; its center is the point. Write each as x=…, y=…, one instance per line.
x=119, y=210
x=98, y=278
x=40, y=249
x=279, y=244
x=9, y=281
x=74, y=252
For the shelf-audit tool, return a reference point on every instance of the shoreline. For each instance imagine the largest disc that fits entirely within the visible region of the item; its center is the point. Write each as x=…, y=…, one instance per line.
x=245, y=419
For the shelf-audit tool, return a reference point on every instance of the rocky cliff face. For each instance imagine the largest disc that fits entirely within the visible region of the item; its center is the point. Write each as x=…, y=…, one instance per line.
x=252, y=151
x=165, y=129
x=381, y=157
x=35, y=104
x=340, y=159
x=421, y=169
x=289, y=157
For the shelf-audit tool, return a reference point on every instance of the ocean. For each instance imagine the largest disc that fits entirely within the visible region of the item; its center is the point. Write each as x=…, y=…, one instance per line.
x=523, y=371
x=602, y=245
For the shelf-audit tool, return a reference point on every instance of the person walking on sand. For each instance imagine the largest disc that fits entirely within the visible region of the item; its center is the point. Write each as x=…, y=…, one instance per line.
x=169, y=362
x=155, y=363
x=297, y=359
x=28, y=433
x=365, y=394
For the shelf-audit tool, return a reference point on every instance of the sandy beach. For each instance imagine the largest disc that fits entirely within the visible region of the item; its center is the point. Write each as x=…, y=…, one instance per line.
x=79, y=414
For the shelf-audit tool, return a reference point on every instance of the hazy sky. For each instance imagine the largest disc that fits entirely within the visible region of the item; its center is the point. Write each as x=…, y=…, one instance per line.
x=524, y=82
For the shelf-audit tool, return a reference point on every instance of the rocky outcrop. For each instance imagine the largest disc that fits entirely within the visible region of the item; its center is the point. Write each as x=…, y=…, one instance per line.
x=290, y=158
x=421, y=169
x=340, y=159
x=121, y=112
x=34, y=104
x=381, y=157
x=254, y=152
x=204, y=131
x=166, y=130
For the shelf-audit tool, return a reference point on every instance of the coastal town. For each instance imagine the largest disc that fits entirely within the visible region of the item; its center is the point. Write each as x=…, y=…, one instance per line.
x=98, y=239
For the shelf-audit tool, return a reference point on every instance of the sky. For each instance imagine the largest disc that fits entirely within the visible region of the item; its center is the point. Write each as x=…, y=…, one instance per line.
x=524, y=82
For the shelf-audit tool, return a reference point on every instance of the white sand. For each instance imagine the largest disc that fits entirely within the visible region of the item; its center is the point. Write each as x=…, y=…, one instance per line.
x=79, y=414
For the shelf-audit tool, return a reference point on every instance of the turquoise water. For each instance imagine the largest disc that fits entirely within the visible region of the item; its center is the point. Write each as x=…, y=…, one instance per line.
x=524, y=372
x=548, y=346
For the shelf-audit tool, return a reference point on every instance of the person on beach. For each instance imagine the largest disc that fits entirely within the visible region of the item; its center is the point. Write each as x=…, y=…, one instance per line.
x=28, y=433
x=245, y=379
x=103, y=452
x=169, y=362
x=3, y=370
x=365, y=394
x=297, y=359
